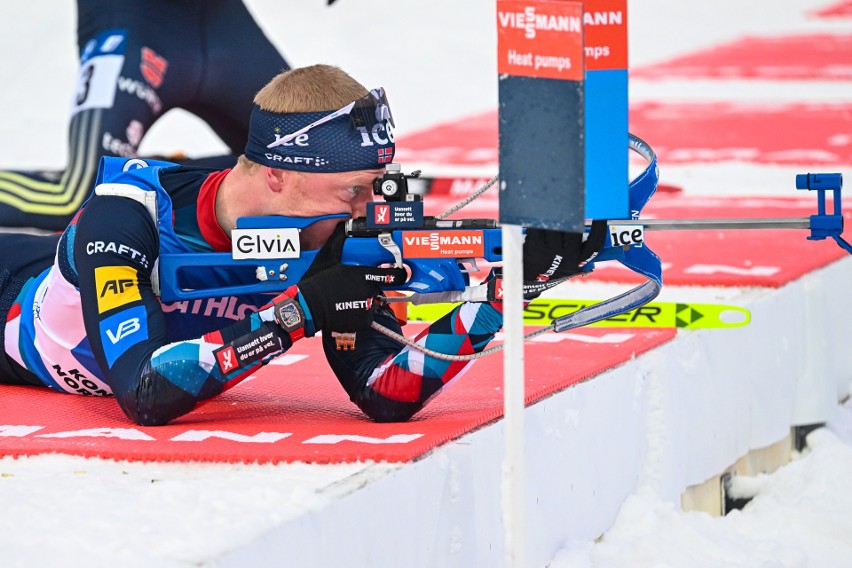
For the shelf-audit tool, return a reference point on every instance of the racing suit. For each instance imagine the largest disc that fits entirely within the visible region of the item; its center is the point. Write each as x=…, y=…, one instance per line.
x=88, y=320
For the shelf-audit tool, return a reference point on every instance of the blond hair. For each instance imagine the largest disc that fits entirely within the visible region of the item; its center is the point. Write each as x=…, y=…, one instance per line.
x=316, y=88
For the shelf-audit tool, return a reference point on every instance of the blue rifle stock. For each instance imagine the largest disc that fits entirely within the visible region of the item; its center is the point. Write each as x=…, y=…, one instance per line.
x=363, y=246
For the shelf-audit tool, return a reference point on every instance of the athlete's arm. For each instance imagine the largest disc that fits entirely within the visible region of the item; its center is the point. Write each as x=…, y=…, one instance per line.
x=153, y=378
x=390, y=382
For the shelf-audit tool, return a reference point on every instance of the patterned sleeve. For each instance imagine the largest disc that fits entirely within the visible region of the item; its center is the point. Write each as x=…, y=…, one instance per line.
x=390, y=382
x=154, y=380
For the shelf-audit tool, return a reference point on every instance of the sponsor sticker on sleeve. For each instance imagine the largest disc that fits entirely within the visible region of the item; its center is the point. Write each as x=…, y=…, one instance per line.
x=100, y=65
x=247, y=349
x=122, y=331
x=116, y=286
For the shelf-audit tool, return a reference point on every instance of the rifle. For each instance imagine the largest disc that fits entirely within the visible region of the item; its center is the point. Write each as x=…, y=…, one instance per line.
x=441, y=253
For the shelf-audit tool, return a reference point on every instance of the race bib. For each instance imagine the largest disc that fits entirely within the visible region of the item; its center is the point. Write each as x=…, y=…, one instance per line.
x=100, y=64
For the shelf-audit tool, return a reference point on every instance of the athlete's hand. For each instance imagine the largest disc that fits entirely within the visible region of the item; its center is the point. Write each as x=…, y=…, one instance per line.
x=551, y=255
x=330, y=253
x=341, y=298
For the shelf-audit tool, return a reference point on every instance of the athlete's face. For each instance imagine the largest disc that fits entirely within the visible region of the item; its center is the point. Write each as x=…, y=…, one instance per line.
x=323, y=194
x=312, y=195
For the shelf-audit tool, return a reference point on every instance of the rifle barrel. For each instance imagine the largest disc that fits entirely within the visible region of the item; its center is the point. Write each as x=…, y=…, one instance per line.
x=704, y=224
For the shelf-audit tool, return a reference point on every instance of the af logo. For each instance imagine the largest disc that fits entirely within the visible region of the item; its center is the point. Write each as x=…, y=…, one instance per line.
x=117, y=286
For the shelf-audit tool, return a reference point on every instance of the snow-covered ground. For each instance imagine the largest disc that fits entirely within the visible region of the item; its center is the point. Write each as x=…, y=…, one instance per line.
x=800, y=517
x=436, y=60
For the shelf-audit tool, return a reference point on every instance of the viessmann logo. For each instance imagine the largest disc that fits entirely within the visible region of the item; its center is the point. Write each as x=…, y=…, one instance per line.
x=530, y=21
x=438, y=244
x=265, y=243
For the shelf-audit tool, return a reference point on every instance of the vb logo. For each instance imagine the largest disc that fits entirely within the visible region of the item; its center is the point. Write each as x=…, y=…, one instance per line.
x=125, y=328
x=116, y=286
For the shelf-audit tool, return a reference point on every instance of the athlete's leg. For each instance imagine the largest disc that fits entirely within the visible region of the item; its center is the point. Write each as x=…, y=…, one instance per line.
x=22, y=257
x=239, y=60
x=132, y=70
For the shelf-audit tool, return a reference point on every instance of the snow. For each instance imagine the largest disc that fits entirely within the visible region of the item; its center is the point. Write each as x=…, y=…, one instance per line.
x=112, y=513
x=106, y=513
x=60, y=510
x=800, y=517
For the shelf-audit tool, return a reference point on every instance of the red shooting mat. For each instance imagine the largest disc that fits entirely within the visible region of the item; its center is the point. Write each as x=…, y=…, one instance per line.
x=298, y=411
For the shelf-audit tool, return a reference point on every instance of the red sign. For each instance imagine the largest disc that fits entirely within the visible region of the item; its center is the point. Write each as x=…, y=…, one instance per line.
x=543, y=39
x=381, y=214
x=227, y=359
x=443, y=244
x=605, y=26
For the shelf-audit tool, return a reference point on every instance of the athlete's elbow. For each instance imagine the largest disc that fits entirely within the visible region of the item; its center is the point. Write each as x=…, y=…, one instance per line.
x=155, y=401
x=384, y=410
x=143, y=417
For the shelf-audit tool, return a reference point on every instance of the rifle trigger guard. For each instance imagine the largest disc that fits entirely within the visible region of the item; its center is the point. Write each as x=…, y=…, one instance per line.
x=387, y=242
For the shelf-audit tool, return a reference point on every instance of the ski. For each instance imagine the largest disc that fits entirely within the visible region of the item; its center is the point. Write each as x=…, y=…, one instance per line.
x=689, y=315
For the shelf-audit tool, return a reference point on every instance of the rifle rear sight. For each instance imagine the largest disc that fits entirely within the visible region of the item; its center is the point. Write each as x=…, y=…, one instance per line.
x=393, y=185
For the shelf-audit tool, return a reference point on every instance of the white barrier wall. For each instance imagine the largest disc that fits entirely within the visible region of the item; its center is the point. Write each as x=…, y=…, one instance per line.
x=668, y=419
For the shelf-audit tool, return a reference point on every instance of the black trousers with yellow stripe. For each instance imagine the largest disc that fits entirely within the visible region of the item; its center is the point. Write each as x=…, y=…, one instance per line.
x=208, y=57
x=21, y=257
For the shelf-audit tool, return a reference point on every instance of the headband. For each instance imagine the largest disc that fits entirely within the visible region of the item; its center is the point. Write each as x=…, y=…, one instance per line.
x=334, y=144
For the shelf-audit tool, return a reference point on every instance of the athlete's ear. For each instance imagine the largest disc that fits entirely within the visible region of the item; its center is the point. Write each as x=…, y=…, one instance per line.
x=276, y=179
